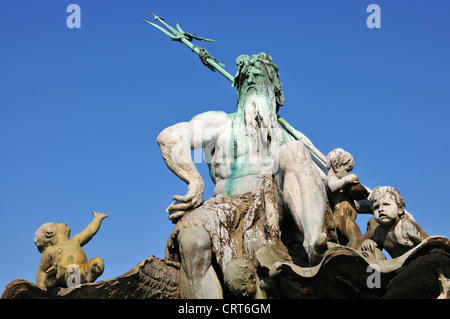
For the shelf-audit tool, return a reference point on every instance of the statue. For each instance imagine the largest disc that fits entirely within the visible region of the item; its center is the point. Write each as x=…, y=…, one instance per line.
x=343, y=189
x=269, y=231
x=391, y=227
x=62, y=256
x=240, y=149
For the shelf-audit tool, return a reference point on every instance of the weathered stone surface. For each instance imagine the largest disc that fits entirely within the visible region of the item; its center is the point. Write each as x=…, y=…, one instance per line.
x=238, y=225
x=259, y=254
x=344, y=273
x=152, y=278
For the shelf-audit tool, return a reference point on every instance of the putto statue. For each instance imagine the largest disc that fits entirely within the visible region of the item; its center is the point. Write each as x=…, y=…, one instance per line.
x=391, y=227
x=345, y=194
x=63, y=257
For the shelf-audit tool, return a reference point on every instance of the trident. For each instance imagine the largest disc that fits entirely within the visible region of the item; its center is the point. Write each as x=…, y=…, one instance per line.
x=210, y=62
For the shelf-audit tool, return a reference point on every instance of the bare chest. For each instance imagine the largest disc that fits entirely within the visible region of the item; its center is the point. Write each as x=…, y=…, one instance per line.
x=239, y=153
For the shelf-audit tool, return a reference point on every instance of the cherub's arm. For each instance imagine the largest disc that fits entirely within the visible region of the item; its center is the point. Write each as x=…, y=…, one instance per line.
x=363, y=206
x=370, y=230
x=41, y=273
x=368, y=239
x=336, y=184
x=415, y=233
x=40, y=278
x=86, y=235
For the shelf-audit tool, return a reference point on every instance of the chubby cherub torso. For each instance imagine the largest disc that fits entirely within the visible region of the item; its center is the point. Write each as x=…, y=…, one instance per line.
x=65, y=254
x=399, y=237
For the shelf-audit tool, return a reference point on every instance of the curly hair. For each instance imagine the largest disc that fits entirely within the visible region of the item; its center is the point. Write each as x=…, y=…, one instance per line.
x=43, y=238
x=380, y=191
x=337, y=157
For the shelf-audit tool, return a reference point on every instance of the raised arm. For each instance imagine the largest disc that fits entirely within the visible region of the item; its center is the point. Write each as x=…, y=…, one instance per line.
x=86, y=235
x=177, y=142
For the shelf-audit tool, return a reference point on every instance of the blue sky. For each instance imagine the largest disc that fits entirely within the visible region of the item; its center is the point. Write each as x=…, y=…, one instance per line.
x=80, y=109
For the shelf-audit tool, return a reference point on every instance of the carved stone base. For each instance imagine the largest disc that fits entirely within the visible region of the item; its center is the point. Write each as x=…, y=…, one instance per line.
x=152, y=278
x=343, y=273
x=258, y=254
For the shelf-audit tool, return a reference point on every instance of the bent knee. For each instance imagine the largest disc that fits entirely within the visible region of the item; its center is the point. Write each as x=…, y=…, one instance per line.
x=194, y=239
x=292, y=154
x=95, y=263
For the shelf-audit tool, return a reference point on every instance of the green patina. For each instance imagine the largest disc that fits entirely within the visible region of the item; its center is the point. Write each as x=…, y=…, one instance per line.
x=250, y=68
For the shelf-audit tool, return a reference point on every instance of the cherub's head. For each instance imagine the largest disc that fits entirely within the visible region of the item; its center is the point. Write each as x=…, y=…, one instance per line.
x=387, y=204
x=340, y=161
x=49, y=234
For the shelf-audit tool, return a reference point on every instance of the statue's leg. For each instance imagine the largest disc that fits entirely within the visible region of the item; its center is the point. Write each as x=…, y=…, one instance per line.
x=303, y=194
x=198, y=280
x=92, y=269
x=345, y=217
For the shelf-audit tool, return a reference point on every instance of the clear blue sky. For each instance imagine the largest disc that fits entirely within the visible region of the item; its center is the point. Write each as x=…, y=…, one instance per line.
x=80, y=109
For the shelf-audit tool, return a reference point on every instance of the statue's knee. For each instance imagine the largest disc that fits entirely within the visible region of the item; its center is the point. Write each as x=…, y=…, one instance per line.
x=97, y=262
x=90, y=270
x=291, y=155
x=95, y=266
x=194, y=241
x=299, y=150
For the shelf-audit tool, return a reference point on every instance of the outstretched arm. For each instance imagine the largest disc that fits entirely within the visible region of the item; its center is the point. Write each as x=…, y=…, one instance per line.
x=336, y=184
x=176, y=143
x=86, y=235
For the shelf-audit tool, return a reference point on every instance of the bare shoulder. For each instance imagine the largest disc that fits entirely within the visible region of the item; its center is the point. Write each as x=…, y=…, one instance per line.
x=212, y=118
x=199, y=131
x=207, y=127
x=408, y=224
x=412, y=228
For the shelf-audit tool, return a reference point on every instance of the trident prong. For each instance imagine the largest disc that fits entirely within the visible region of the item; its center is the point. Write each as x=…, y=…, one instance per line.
x=213, y=64
x=172, y=30
x=175, y=34
x=161, y=29
x=179, y=28
x=184, y=37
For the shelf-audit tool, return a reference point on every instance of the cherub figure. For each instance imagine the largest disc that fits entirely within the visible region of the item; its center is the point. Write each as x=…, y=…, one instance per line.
x=343, y=189
x=391, y=228
x=62, y=256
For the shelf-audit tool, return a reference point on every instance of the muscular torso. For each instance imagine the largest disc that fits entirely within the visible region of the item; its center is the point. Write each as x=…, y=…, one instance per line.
x=238, y=160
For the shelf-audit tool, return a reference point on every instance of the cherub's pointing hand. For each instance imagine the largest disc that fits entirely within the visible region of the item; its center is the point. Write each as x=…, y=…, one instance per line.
x=100, y=215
